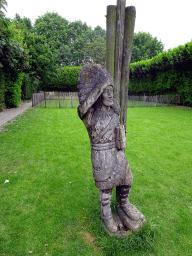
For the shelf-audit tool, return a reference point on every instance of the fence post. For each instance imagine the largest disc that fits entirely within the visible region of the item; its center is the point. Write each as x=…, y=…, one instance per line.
x=71, y=101
x=144, y=99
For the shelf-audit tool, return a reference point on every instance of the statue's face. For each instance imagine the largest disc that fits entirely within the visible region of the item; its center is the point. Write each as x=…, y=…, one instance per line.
x=107, y=96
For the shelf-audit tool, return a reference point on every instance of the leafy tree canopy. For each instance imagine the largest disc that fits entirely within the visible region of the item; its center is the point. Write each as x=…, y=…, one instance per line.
x=41, y=60
x=145, y=46
x=13, y=51
x=66, y=39
x=54, y=28
x=26, y=22
x=95, y=51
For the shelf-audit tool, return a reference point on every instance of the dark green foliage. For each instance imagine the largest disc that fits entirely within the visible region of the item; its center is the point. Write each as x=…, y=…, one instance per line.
x=67, y=39
x=66, y=79
x=167, y=73
x=13, y=90
x=2, y=91
x=53, y=44
x=13, y=61
x=29, y=86
x=13, y=54
x=26, y=22
x=53, y=27
x=42, y=66
x=95, y=51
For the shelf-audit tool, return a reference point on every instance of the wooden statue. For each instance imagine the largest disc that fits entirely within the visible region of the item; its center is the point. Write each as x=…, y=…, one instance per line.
x=100, y=113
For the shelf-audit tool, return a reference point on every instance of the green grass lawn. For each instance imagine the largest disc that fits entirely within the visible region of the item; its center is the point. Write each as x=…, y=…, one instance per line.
x=50, y=205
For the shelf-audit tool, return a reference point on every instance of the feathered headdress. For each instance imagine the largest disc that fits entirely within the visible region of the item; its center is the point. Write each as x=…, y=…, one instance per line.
x=93, y=79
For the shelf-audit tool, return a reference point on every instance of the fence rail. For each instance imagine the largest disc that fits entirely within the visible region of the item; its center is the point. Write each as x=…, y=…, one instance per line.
x=61, y=99
x=157, y=99
x=71, y=99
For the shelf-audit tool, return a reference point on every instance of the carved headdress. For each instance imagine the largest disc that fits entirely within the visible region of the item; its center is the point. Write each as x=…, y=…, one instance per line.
x=93, y=79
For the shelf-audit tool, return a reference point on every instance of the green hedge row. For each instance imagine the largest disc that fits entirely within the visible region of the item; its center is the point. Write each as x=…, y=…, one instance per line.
x=65, y=79
x=167, y=73
x=13, y=90
x=29, y=86
x=2, y=91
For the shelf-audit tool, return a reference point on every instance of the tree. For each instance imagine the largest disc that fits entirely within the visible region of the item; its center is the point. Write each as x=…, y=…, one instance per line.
x=54, y=28
x=13, y=52
x=42, y=66
x=63, y=56
x=66, y=39
x=95, y=51
x=145, y=46
x=24, y=22
x=100, y=32
x=13, y=62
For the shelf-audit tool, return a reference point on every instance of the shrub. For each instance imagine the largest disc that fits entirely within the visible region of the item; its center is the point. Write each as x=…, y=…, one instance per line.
x=2, y=90
x=29, y=86
x=66, y=79
x=13, y=90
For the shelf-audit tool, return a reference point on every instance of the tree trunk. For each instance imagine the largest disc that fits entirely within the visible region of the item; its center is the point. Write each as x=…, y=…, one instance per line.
x=130, y=14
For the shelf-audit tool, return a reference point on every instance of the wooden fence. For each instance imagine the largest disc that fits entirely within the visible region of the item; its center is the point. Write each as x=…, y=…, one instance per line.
x=157, y=99
x=37, y=98
x=61, y=99
x=56, y=99
x=71, y=100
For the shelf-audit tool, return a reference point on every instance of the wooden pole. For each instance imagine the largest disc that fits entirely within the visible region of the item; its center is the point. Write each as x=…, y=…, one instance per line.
x=130, y=15
x=111, y=36
x=119, y=47
x=71, y=101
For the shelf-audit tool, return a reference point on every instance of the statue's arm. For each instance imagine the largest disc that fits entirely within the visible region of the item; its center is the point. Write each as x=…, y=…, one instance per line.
x=87, y=117
x=91, y=99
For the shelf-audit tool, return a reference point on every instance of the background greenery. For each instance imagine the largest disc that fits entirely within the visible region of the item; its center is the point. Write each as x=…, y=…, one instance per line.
x=48, y=54
x=42, y=49
x=166, y=73
x=51, y=204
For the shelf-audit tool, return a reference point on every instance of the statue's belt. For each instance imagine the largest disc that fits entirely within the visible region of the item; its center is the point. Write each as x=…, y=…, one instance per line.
x=103, y=146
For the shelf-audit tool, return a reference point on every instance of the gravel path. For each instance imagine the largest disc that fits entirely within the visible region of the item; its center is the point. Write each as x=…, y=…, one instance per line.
x=11, y=113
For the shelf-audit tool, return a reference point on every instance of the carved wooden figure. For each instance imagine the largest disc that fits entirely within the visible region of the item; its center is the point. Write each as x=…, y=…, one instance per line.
x=100, y=113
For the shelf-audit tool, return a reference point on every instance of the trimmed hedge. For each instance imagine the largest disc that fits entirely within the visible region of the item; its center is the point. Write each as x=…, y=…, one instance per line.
x=13, y=90
x=29, y=86
x=167, y=73
x=66, y=79
x=2, y=91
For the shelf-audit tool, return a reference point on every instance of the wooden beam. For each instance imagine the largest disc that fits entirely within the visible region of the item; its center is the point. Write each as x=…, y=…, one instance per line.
x=111, y=35
x=130, y=15
x=119, y=47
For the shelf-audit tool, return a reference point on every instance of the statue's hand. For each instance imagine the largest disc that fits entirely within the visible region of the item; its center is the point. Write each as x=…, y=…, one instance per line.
x=120, y=138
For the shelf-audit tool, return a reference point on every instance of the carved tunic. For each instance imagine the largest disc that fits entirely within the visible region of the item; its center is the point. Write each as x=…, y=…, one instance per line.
x=110, y=166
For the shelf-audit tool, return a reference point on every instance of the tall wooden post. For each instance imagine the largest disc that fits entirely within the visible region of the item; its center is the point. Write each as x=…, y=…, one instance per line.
x=130, y=14
x=120, y=30
x=119, y=47
x=111, y=37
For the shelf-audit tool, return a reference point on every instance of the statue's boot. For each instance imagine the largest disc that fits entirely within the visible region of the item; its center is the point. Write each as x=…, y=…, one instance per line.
x=129, y=209
x=106, y=214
